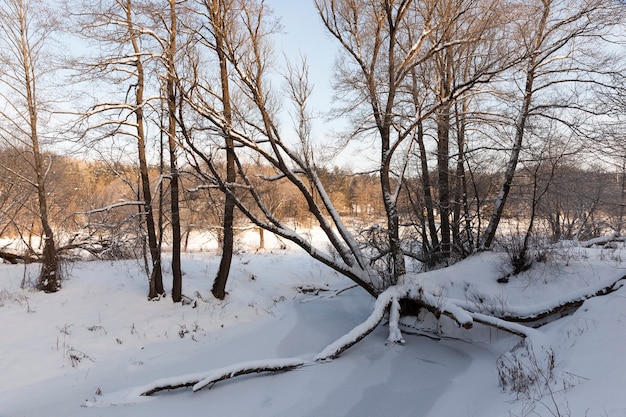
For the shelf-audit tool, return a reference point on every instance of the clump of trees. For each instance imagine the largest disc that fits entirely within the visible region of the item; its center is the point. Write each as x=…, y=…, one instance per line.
x=481, y=114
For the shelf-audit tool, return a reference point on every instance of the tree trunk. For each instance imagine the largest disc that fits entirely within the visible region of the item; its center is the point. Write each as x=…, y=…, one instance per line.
x=622, y=197
x=177, y=280
x=219, y=285
x=443, y=171
x=445, y=83
x=461, y=216
x=49, y=278
x=509, y=174
x=261, y=238
x=156, y=277
x=520, y=127
x=426, y=186
x=390, y=201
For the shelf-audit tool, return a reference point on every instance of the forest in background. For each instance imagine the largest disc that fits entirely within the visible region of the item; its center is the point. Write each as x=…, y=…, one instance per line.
x=92, y=205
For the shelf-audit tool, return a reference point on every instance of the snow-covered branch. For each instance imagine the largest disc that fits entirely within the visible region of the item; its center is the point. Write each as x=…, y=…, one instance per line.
x=113, y=206
x=202, y=380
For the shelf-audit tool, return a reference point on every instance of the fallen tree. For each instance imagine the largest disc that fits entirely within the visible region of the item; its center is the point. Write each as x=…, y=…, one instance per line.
x=543, y=313
x=389, y=298
x=387, y=304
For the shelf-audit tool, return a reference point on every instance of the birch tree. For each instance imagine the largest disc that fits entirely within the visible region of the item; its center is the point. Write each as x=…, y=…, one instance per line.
x=220, y=16
x=557, y=35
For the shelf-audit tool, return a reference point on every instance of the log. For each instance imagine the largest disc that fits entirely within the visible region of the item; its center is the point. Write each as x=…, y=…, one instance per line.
x=539, y=318
x=199, y=381
x=250, y=368
x=438, y=306
x=14, y=258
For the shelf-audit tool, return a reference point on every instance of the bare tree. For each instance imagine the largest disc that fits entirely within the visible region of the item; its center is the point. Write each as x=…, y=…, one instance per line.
x=472, y=29
x=255, y=130
x=219, y=15
x=173, y=148
x=113, y=24
x=404, y=66
x=607, y=135
x=378, y=86
x=168, y=22
x=24, y=33
x=373, y=71
x=557, y=36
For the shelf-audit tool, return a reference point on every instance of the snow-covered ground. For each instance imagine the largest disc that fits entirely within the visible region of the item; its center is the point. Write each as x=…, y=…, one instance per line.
x=89, y=349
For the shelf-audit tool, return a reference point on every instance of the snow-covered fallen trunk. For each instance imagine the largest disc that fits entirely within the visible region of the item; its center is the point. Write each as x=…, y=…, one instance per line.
x=515, y=328
x=436, y=304
x=201, y=380
x=391, y=296
x=602, y=240
x=534, y=312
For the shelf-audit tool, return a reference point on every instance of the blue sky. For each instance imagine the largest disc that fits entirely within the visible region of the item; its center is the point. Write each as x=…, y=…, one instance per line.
x=304, y=34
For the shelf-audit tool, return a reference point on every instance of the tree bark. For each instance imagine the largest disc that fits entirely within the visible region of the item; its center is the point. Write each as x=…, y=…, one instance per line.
x=177, y=279
x=443, y=176
x=200, y=381
x=461, y=210
x=393, y=221
x=49, y=278
x=520, y=128
x=156, y=277
x=219, y=285
x=444, y=65
x=426, y=186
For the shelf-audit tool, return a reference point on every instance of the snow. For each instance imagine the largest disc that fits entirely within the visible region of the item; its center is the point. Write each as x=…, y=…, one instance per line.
x=89, y=349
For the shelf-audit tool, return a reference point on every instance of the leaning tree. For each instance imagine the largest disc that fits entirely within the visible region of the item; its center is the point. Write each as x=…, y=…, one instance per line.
x=564, y=44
